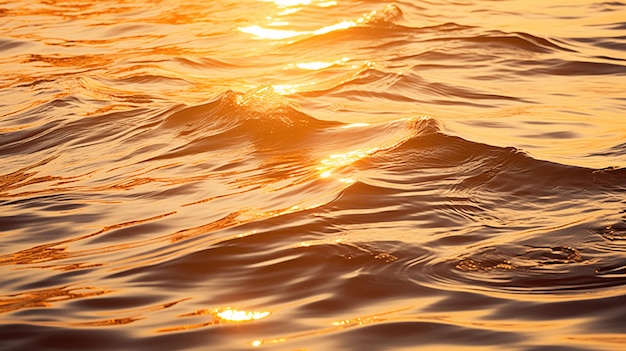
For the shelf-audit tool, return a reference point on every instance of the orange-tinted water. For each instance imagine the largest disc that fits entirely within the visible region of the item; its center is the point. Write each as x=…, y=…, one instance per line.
x=319, y=175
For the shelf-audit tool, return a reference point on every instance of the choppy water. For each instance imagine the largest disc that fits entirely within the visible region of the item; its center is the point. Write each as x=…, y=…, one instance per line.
x=319, y=175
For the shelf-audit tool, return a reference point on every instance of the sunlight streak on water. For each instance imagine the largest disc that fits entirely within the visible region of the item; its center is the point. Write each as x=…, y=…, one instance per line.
x=319, y=65
x=240, y=316
x=273, y=34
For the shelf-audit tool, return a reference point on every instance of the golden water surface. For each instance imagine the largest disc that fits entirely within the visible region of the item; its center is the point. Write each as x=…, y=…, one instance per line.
x=312, y=175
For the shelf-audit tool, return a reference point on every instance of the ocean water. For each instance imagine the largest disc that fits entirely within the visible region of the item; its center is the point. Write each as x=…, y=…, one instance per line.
x=312, y=175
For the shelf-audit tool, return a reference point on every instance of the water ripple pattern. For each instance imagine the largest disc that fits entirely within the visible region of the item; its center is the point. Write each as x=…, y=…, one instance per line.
x=312, y=175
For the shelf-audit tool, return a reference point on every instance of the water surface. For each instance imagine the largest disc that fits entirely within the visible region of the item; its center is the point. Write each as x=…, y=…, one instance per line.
x=319, y=175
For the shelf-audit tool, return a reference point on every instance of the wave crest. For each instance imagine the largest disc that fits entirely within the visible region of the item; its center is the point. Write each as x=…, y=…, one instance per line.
x=260, y=113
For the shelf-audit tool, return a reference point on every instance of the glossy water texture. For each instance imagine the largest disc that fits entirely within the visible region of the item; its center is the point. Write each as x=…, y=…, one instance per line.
x=312, y=175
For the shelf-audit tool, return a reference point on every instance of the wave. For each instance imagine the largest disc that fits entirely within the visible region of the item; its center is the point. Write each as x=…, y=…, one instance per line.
x=260, y=113
x=386, y=26
x=269, y=123
x=477, y=214
x=249, y=189
x=513, y=54
x=573, y=68
x=205, y=178
x=255, y=146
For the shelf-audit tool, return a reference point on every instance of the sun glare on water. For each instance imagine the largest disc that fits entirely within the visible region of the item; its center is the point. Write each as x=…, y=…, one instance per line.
x=272, y=34
x=280, y=34
x=230, y=315
x=294, y=3
x=290, y=7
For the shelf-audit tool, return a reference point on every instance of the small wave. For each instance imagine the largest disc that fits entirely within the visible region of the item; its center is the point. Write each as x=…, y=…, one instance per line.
x=535, y=270
x=409, y=87
x=468, y=37
x=573, y=68
x=517, y=40
x=462, y=196
x=376, y=18
x=265, y=117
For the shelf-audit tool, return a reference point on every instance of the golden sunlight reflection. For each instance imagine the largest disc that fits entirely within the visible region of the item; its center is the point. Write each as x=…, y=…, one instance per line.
x=293, y=88
x=230, y=315
x=295, y=3
x=355, y=125
x=281, y=212
x=272, y=34
x=286, y=89
x=338, y=26
x=280, y=34
x=290, y=3
x=347, y=180
x=47, y=297
x=327, y=3
x=336, y=161
x=314, y=66
x=218, y=316
x=337, y=326
x=318, y=65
